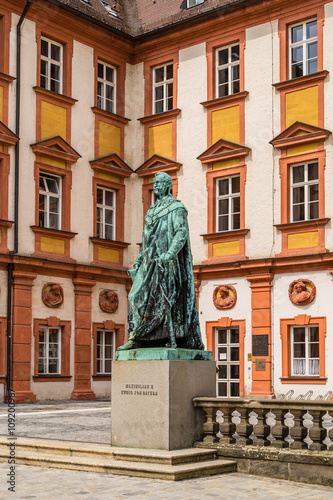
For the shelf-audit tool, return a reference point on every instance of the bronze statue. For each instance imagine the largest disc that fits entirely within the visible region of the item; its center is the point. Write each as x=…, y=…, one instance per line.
x=162, y=308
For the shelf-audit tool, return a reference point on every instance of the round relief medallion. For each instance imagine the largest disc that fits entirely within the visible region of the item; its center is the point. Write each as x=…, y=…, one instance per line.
x=108, y=301
x=224, y=297
x=302, y=292
x=52, y=295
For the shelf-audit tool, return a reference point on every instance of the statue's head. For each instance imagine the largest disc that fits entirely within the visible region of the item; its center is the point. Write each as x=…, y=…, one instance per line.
x=162, y=184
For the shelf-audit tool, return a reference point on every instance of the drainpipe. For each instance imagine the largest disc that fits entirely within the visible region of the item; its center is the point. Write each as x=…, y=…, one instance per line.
x=16, y=196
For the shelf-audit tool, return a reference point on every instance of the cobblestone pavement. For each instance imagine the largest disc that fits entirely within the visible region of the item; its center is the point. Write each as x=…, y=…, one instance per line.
x=89, y=421
x=49, y=484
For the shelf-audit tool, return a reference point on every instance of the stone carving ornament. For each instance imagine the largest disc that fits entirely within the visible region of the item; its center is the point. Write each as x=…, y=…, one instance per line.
x=108, y=301
x=52, y=295
x=224, y=297
x=302, y=292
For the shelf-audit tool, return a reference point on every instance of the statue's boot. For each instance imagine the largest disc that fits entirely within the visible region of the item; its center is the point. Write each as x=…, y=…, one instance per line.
x=130, y=344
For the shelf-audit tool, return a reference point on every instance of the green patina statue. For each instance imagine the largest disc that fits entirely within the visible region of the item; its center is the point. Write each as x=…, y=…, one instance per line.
x=162, y=308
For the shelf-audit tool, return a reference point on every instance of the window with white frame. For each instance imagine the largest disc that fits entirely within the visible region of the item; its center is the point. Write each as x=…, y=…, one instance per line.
x=163, y=88
x=192, y=3
x=106, y=213
x=49, y=201
x=51, y=65
x=303, y=49
x=227, y=361
x=228, y=203
x=304, y=350
x=49, y=350
x=105, y=351
x=304, y=192
x=106, y=87
x=227, y=71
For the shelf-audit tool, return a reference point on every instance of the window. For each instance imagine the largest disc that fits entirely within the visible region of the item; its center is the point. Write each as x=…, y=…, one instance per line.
x=304, y=192
x=51, y=65
x=106, y=216
x=227, y=71
x=227, y=350
x=162, y=88
x=305, y=350
x=106, y=87
x=105, y=351
x=192, y=3
x=228, y=204
x=49, y=201
x=49, y=349
x=303, y=49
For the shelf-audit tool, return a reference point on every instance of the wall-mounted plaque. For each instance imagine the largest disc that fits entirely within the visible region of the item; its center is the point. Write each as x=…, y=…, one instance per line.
x=260, y=345
x=260, y=365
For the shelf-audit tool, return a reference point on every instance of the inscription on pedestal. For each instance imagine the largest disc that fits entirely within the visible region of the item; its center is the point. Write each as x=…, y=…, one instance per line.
x=138, y=390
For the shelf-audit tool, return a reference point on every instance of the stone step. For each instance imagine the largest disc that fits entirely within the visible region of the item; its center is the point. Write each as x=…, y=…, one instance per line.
x=121, y=467
x=96, y=450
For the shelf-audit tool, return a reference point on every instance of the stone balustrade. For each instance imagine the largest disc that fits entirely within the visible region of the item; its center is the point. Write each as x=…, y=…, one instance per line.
x=295, y=424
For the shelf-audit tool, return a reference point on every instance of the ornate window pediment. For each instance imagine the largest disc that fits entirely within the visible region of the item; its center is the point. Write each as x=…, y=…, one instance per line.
x=298, y=134
x=56, y=147
x=223, y=150
x=7, y=137
x=112, y=164
x=157, y=163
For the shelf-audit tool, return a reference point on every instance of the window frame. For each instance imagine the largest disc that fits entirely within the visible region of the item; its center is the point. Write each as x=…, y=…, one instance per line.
x=286, y=325
x=306, y=185
x=149, y=65
x=303, y=44
x=49, y=61
x=65, y=330
x=47, y=195
x=228, y=362
x=103, y=346
x=197, y=2
x=229, y=65
x=229, y=197
x=104, y=207
x=307, y=343
x=105, y=82
x=119, y=339
x=164, y=84
x=47, y=330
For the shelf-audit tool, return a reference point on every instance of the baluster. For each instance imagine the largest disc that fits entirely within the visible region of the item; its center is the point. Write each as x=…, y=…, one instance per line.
x=210, y=427
x=227, y=427
x=261, y=429
x=243, y=428
x=298, y=432
x=280, y=430
x=317, y=433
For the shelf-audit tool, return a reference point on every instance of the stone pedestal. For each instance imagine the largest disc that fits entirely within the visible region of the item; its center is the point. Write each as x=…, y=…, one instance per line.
x=152, y=402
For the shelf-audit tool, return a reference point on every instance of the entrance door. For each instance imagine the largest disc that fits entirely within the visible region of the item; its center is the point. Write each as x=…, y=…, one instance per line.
x=227, y=360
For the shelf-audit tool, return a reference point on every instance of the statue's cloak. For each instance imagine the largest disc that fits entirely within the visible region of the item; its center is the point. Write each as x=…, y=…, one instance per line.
x=162, y=301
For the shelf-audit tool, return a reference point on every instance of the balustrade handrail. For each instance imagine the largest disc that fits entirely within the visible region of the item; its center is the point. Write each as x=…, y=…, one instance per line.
x=261, y=403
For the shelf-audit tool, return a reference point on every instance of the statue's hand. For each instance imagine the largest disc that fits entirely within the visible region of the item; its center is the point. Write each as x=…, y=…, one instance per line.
x=132, y=273
x=164, y=258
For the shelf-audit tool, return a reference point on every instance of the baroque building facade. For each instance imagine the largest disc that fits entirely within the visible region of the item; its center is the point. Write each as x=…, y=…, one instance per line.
x=233, y=100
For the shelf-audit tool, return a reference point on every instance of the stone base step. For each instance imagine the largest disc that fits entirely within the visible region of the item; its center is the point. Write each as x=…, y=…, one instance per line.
x=138, y=463
x=97, y=450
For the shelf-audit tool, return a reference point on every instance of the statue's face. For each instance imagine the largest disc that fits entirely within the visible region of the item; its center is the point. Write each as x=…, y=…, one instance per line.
x=160, y=187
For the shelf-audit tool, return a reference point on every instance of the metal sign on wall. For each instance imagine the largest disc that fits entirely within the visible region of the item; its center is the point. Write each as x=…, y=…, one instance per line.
x=260, y=345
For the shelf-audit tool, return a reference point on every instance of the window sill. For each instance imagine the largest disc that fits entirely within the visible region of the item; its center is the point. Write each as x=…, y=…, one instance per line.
x=304, y=224
x=226, y=246
x=303, y=380
x=224, y=101
x=52, y=243
x=54, y=95
x=6, y=78
x=302, y=81
x=166, y=115
x=108, y=114
x=53, y=232
x=224, y=234
x=52, y=378
x=101, y=377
